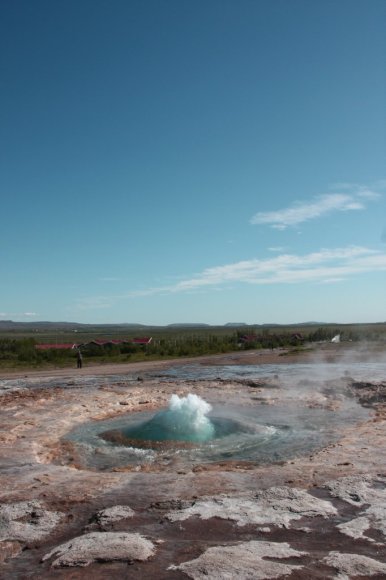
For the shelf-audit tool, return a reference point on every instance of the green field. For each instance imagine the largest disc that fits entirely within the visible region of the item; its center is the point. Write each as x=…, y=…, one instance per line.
x=18, y=340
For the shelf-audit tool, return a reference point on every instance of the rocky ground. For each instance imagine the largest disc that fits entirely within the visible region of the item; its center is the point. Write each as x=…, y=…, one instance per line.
x=318, y=516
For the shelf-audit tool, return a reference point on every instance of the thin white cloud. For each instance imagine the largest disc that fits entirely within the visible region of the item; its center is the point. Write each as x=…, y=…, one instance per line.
x=332, y=280
x=302, y=212
x=323, y=267
x=276, y=249
x=375, y=186
x=291, y=268
x=18, y=314
x=353, y=200
x=327, y=264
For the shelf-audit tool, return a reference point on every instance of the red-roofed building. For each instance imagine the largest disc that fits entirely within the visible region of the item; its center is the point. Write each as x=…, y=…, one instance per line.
x=142, y=340
x=63, y=346
x=145, y=340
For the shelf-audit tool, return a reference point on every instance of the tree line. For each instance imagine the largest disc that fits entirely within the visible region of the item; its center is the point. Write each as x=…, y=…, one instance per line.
x=23, y=351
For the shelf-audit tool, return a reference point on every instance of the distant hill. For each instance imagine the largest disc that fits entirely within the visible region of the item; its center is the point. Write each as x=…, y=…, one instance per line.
x=273, y=324
x=314, y=323
x=134, y=327
x=188, y=325
x=46, y=325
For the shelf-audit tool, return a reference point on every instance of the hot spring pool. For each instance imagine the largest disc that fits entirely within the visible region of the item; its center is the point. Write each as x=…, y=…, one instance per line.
x=192, y=431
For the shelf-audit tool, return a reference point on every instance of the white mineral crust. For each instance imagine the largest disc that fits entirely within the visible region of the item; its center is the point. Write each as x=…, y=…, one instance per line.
x=101, y=547
x=245, y=561
x=276, y=505
x=353, y=565
x=26, y=521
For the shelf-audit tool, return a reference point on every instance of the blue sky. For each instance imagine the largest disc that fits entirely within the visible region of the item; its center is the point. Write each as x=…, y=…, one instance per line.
x=211, y=161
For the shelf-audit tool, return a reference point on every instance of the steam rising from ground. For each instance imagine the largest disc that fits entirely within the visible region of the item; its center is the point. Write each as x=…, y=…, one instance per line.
x=362, y=360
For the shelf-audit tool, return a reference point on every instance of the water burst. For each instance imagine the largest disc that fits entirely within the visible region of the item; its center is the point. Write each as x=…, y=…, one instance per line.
x=184, y=424
x=186, y=419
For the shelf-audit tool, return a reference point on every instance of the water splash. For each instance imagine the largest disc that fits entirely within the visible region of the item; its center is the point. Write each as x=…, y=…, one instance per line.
x=189, y=415
x=186, y=419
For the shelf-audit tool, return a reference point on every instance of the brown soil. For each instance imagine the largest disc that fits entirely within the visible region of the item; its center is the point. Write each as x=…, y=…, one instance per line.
x=37, y=465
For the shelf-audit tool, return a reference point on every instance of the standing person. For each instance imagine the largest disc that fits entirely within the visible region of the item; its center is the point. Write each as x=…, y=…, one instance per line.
x=79, y=360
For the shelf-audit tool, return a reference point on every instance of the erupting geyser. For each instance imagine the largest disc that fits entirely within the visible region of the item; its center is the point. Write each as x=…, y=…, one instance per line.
x=186, y=419
x=184, y=424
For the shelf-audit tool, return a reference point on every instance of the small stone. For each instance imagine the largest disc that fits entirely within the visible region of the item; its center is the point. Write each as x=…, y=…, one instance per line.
x=113, y=514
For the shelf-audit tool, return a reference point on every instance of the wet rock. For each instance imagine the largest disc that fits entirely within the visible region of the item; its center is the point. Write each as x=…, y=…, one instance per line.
x=109, y=516
x=353, y=565
x=360, y=385
x=369, y=393
x=243, y=561
x=26, y=521
x=277, y=506
x=174, y=504
x=101, y=547
x=257, y=383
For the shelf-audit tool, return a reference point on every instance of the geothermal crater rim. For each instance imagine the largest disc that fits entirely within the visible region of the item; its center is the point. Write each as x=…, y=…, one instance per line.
x=258, y=434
